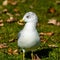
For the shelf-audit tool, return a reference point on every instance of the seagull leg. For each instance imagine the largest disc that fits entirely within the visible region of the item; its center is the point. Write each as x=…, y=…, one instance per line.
x=23, y=54
x=32, y=55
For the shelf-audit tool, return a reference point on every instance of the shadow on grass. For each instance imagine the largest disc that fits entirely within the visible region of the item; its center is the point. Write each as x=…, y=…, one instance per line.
x=41, y=53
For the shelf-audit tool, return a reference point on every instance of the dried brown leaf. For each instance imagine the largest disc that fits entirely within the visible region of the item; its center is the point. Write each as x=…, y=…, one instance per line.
x=43, y=40
x=4, y=45
x=58, y=2
x=5, y=11
x=11, y=19
x=1, y=21
x=11, y=40
x=5, y=3
x=10, y=51
x=52, y=21
x=1, y=24
x=12, y=2
x=51, y=10
x=47, y=33
x=36, y=57
x=58, y=24
x=15, y=52
x=52, y=45
x=42, y=34
x=9, y=14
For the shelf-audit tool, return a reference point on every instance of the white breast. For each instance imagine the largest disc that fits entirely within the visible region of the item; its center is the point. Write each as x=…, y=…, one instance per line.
x=29, y=37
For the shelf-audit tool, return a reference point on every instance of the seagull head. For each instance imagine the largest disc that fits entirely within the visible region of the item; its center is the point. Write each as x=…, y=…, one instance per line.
x=30, y=17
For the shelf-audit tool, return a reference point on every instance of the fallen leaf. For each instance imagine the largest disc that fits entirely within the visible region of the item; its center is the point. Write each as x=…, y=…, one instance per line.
x=9, y=14
x=58, y=24
x=49, y=33
x=5, y=11
x=52, y=21
x=41, y=34
x=51, y=10
x=4, y=45
x=11, y=40
x=11, y=19
x=58, y=2
x=5, y=3
x=36, y=57
x=52, y=45
x=1, y=24
x=15, y=52
x=12, y=2
x=10, y=51
x=1, y=21
x=43, y=40
x=46, y=33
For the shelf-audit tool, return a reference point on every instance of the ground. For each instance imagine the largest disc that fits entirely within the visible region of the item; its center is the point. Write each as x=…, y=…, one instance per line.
x=50, y=49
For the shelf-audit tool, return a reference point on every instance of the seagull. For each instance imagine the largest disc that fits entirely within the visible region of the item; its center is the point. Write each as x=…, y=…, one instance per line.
x=28, y=37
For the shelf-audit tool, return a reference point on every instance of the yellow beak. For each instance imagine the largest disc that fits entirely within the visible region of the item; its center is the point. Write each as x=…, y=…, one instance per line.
x=21, y=21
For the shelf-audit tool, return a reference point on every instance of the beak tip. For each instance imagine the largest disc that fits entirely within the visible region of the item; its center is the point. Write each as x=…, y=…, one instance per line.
x=21, y=20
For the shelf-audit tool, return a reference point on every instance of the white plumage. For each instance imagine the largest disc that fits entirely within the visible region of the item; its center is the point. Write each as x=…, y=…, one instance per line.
x=29, y=37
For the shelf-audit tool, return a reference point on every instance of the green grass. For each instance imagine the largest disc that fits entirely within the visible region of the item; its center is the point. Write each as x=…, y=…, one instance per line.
x=10, y=30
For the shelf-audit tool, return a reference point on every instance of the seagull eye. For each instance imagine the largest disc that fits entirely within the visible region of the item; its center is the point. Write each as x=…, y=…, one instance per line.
x=27, y=16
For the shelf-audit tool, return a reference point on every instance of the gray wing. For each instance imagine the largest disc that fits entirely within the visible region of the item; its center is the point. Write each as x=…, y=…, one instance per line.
x=19, y=34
